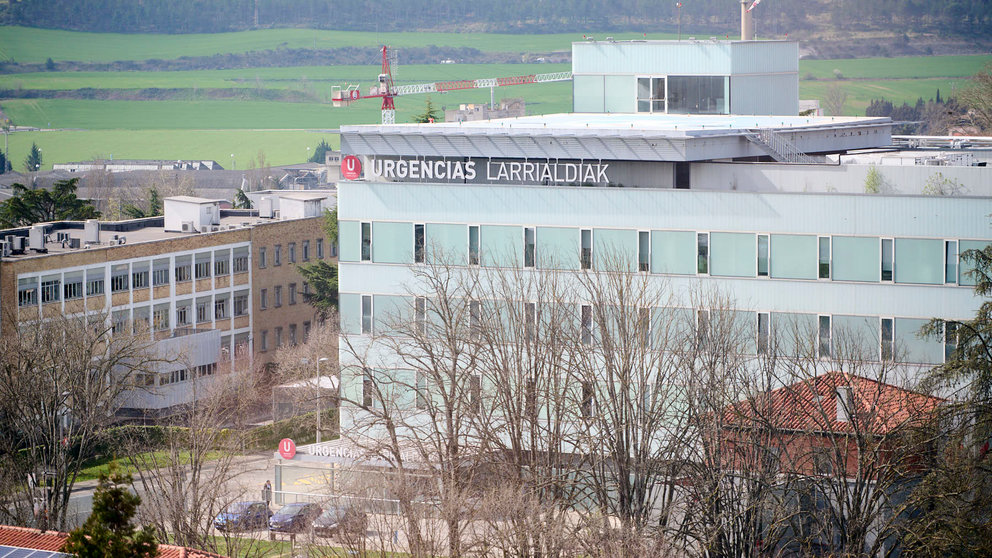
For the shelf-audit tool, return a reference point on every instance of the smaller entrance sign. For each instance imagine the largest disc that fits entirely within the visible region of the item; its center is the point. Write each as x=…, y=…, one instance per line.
x=351, y=167
x=287, y=448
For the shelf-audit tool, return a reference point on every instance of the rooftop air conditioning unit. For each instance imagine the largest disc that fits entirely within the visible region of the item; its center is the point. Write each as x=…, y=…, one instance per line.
x=36, y=238
x=122, y=240
x=17, y=244
x=188, y=227
x=4, y=249
x=74, y=243
x=214, y=228
x=91, y=231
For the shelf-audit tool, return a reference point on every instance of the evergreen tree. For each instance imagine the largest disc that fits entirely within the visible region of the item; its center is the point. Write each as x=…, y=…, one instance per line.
x=154, y=207
x=241, y=200
x=33, y=160
x=320, y=152
x=322, y=276
x=430, y=114
x=27, y=207
x=108, y=532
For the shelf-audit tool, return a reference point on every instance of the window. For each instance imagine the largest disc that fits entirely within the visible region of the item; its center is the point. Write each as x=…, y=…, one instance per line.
x=94, y=282
x=182, y=315
x=73, y=288
x=887, y=263
x=203, y=310
x=220, y=309
x=420, y=315
x=529, y=247
x=139, y=279
x=697, y=95
x=292, y=252
x=950, y=340
x=822, y=462
x=240, y=304
x=160, y=317
x=824, y=257
x=183, y=272
x=887, y=337
x=263, y=299
x=475, y=319
x=823, y=345
x=585, y=254
x=586, y=324
x=306, y=250
x=473, y=245
x=202, y=269
x=764, y=332
x=292, y=335
x=644, y=251
x=292, y=294
x=306, y=331
x=261, y=257
x=418, y=244
x=277, y=255
x=651, y=94
x=475, y=393
x=702, y=328
x=530, y=320
x=222, y=266
x=366, y=242
x=422, y=394
x=278, y=296
x=27, y=292
x=367, y=314
x=50, y=291
x=951, y=261
x=240, y=263
x=703, y=253
x=160, y=276
x=762, y=255
x=119, y=279
x=278, y=337
x=367, y=388
x=644, y=326
x=264, y=342
x=320, y=248
x=587, y=405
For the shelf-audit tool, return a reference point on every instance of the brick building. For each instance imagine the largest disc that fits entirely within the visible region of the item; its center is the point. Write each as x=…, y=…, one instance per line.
x=217, y=289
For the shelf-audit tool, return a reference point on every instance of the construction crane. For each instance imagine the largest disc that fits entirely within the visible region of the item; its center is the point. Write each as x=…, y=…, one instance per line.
x=387, y=90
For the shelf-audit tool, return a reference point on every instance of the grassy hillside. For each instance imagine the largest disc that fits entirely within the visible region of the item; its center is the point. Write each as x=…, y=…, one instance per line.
x=25, y=44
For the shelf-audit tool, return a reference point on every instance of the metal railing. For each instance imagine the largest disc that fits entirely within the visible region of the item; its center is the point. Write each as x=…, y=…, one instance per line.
x=779, y=148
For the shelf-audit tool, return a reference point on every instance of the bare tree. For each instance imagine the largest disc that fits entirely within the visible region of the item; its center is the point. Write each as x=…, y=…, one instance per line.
x=61, y=384
x=834, y=99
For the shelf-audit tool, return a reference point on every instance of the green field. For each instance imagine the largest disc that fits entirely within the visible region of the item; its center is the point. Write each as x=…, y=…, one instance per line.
x=24, y=44
x=299, y=78
x=278, y=146
x=201, y=127
x=895, y=68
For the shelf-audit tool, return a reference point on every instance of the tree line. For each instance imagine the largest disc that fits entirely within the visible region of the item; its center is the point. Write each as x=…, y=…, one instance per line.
x=968, y=17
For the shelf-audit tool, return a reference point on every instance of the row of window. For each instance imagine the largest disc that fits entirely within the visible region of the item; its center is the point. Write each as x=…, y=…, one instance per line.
x=182, y=375
x=263, y=252
x=206, y=309
x=125, y=277
x=726, y=254
x=277, y=300
x=274, y=339
x=840, y=336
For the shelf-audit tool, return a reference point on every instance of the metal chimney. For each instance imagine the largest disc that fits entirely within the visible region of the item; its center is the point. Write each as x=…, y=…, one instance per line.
x=747, y=24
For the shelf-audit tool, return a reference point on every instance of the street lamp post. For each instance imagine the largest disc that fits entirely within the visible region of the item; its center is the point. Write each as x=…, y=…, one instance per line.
x=233, y=162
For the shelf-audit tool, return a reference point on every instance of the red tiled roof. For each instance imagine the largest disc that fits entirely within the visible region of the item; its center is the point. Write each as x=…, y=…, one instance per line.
x=811, y=405
x=25, y=537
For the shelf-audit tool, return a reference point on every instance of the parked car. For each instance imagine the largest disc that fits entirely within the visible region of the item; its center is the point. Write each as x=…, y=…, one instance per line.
x=340, y=520
x=294, y=518
x=243, y=516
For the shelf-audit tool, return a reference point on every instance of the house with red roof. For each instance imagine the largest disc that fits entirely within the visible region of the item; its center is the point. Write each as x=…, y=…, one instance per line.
x=26, y=538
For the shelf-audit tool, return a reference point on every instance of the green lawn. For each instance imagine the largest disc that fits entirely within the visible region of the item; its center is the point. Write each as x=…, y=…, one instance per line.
x=102, y=466
x=279, y=147
x=903, y=67
x=25, y=44
x=861, y=92
x=316, y=78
